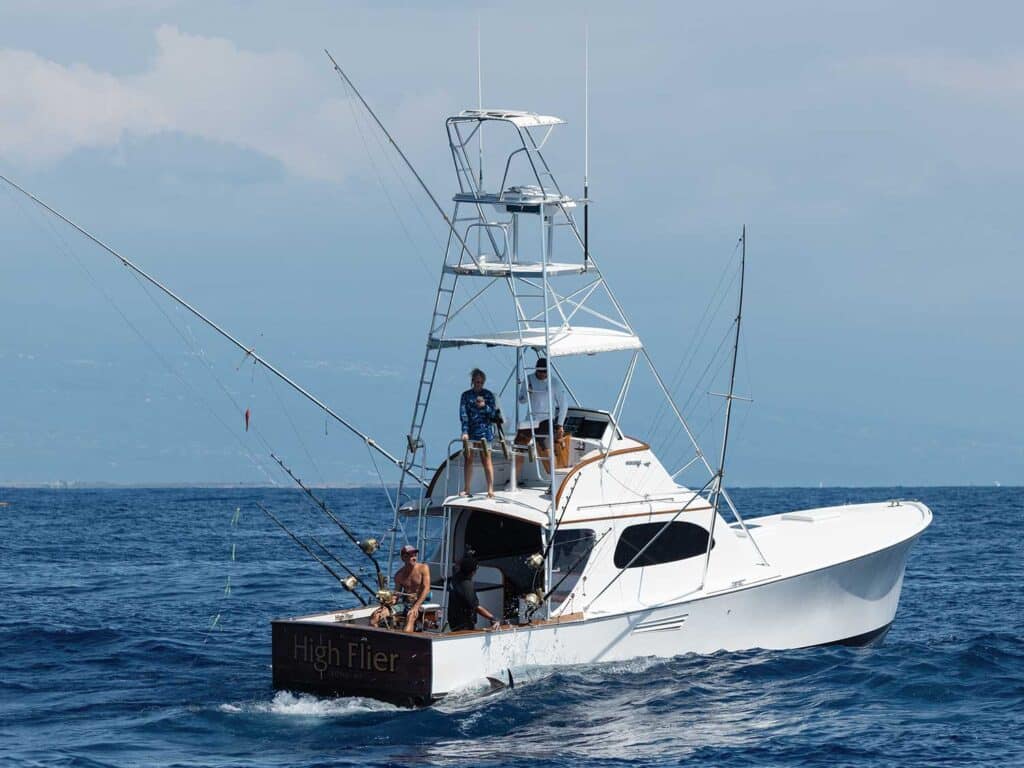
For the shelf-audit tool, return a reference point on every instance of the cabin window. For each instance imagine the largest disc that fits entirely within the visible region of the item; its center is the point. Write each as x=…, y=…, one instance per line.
x=496, y=536
x=678, y=542
x=570, y=552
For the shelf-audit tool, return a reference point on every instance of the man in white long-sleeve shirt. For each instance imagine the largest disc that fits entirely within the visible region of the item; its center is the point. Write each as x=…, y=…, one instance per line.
x=534, y=419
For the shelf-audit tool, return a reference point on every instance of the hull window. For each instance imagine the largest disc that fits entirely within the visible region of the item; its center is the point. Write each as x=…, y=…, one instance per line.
x=678, y=542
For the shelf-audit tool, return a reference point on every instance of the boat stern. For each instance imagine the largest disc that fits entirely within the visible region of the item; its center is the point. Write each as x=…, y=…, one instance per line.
x=332, y=658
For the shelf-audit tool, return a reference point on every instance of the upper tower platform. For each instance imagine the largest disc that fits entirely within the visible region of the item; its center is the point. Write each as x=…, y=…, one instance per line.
x=518, y=117
x=508, y=229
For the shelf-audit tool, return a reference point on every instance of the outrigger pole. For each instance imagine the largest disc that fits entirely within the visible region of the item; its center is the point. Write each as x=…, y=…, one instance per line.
x=717, y=493
x=249, y=351
x=401, y=154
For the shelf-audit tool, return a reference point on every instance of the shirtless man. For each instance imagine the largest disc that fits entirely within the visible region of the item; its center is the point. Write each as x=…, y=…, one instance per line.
x=412, y=582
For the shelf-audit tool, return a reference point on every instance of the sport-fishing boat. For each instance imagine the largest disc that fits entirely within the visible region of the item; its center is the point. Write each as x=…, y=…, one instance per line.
x=590, y=548
x=600, y=554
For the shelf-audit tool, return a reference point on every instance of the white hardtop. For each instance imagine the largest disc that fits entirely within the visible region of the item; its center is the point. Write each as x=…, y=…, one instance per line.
x=570, y=340
x=518, y=117
x=527, y=194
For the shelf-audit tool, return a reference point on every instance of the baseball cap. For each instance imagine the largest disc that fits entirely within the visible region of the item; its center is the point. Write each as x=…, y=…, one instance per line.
x=409, y=549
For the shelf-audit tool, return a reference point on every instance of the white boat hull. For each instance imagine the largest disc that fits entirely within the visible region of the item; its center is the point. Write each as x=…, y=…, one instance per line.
x=852, y=602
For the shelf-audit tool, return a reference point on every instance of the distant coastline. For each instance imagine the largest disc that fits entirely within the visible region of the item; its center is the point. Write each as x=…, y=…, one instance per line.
x=156, y=486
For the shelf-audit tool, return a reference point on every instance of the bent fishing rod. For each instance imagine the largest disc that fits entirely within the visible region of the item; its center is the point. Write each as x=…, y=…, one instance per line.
x=344, y=583
x=248, y=350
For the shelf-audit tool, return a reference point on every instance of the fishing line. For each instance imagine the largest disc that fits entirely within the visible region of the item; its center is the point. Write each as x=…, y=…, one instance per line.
x=716, y=357
x=69, y=252
x=216, y=625
x=295, y=429
x=65, y=247
x=482, y=311
x=384, y=189
x=721, y=359
x=192, y=344
x=387, y=493
x=700, y=332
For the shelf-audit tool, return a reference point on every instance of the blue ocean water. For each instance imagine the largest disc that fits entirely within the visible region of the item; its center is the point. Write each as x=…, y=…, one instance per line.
x=135, y=631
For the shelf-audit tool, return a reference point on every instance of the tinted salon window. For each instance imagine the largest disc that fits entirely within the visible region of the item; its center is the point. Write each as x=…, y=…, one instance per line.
x=570, y=552
x=678, y=542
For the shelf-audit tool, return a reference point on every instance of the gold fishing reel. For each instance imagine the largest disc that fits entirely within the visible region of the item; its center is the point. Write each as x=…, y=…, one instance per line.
x=369, y=546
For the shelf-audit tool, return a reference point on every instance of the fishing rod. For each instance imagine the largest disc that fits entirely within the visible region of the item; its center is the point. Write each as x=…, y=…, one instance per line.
x=366, y=546
x=248, y=350
x=537, y=562
x=336, y=559
x=533, y=609
x=349, y=583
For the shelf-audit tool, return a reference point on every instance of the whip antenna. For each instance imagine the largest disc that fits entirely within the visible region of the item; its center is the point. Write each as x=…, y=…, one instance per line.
x=480, y=104
x=586, y=143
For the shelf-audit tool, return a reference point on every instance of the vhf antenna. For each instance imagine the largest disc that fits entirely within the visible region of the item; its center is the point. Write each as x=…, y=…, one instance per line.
x=586, y=143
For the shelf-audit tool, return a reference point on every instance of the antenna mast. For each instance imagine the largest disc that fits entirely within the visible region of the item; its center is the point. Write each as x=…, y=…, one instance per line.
x=480, y=106
x=586, y=143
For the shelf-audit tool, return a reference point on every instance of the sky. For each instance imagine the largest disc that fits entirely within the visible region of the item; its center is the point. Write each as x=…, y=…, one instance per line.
x=874, y=152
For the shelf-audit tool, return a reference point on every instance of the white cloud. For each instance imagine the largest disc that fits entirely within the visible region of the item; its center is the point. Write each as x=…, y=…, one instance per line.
x=47, y=110
x=274, y=103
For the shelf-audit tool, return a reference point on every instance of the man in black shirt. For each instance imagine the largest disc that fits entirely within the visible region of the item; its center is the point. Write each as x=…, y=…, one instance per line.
x=463, y=604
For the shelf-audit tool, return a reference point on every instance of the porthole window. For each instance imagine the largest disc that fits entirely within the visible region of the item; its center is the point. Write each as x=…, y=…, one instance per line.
x=678, y=542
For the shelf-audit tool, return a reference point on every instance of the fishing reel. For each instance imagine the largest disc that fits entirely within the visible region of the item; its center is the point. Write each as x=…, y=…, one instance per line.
x=386, y=597
x=369, y=546
x=529, y=604
x=535, y=561
x=350, y=583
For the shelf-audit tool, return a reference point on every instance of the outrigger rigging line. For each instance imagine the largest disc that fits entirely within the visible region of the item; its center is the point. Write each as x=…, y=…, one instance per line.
x=401, y=154
x=249, y=351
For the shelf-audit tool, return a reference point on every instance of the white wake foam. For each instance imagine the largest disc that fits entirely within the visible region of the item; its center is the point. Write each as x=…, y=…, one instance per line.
x=304, y=705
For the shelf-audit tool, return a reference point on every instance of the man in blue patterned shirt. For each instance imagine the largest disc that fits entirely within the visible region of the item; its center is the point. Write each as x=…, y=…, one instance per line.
x=477, y=411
